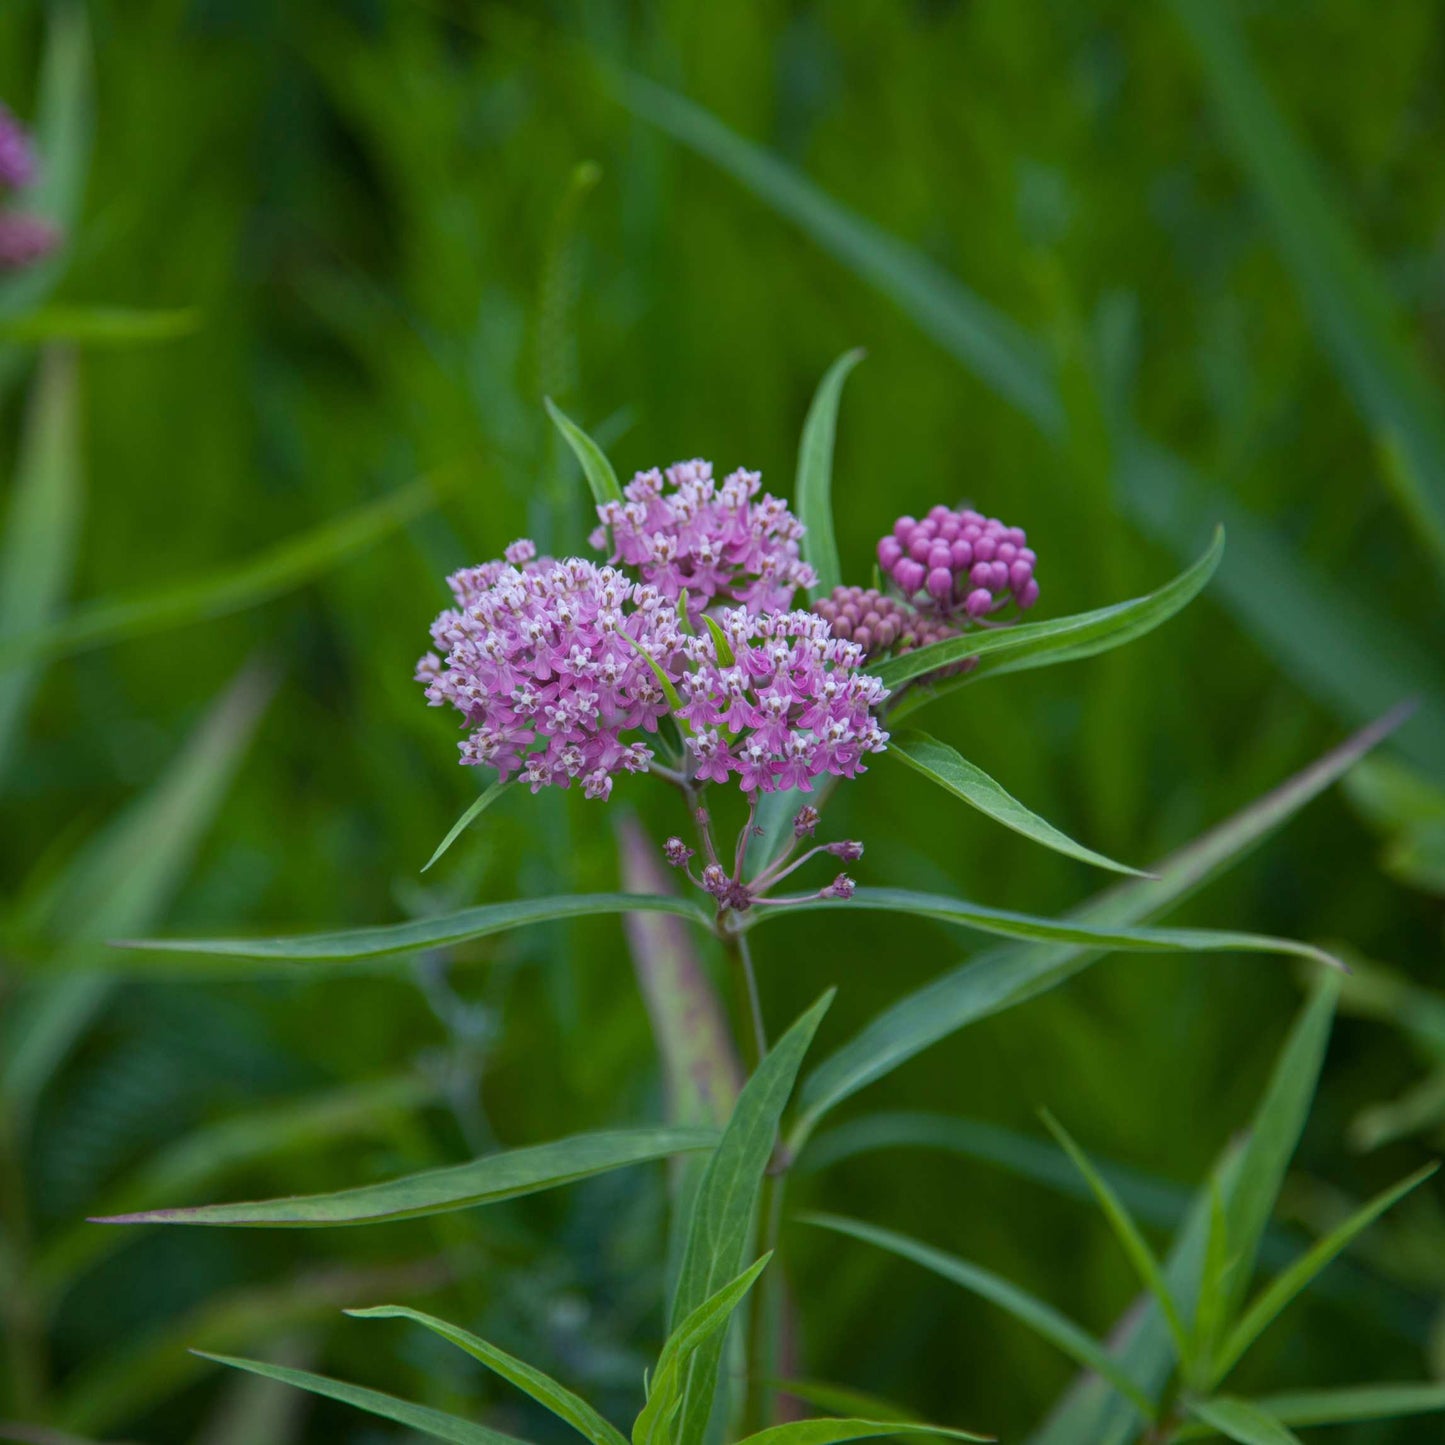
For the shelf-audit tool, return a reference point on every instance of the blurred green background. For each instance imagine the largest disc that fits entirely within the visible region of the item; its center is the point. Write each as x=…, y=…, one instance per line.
x=400, y=224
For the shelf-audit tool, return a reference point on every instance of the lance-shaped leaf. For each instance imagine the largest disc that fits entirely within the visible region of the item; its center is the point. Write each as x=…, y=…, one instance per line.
x=561, y=1401
x=831, y=1432
x=1042, y=644
x=222, y=590
x=487, y=1180
x=1040, y=1317
x=1129, y=1236
x=814, y=489
x=726, y=1198
x=443, y=931
x=941, y=764
x=595, y=466
x=1355, y=1402
x=422, y=1418
x=488, y=797
x=1242, y=1422
x=1005, y=977
x=1280, y=1291
x=1009, y=924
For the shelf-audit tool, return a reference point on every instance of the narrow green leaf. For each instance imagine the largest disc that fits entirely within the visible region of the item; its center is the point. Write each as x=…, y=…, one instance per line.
x=1009, y=360
x=414, y=1417
x=224, y=590
x=1213, y=1286
x=595, y=466
x=814, y=488
x=1275, y=1133
x=830, y=1432
x=1355, y=1402
x=726, y=1199
x=123, y=880
x=1025, y=925
x=1282, y=1290
x=443, y=931
x=941, y=764
x=1243, y=1422
x=666, y=1387
x=719, y=640
x=1345, y=297
x=488, y=797
x=1128, y=1235
x=487, y=1180
x=1042, y=644
x=1004, y=977
x=663, y=680
x=561, y=1401
x=37, y=550
x=1039, y=1316
x=97, y=325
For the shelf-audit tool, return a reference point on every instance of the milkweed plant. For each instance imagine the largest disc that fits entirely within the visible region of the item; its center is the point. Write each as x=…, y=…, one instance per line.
x=710, y=644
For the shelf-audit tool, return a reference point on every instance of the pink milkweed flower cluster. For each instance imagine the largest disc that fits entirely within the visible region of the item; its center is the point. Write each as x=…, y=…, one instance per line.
x=879, y=624
x=785, y=704
x=959, y=563
x=684, y=532
x=24, y=238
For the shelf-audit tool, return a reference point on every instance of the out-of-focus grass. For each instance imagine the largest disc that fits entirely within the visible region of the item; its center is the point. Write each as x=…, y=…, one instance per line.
x=375, y=210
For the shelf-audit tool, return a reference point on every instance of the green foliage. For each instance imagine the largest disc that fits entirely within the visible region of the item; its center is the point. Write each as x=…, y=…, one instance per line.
x=813, y=489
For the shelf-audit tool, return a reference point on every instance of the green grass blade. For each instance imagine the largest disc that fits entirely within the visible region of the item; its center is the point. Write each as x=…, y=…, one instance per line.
x=97, y=326
x=1355, y=1402
x=124, y=880
x=275, y=571
x=471, y=815
x=37, y=550
x=1008, y=924
x=1042, y=644
x=1346, y=299
x=1009, y=360
x=941, y=764
x=1005, y=977
x=1213, y=1287
x=421, y=1418
x=831, y=1432
x=561, y=1401
x=726, y=1199
x=488, y=1180
x=595, y=466
x=443, y=931
x=1128, y=1235
x=813, y=491
x=1245, y=1423
x=1283, y=1289
x=1039, y=1316
x=1275, y=1133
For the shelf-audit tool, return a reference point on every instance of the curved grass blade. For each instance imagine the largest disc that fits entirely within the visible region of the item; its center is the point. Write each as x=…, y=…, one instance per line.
x=421, y=1418
x=562, y=1402
x=1042, y=1318
x=461, y=825
x=941, y=764
x=831, y=1432
x=1128, y=1235
x=1242, y=1422
x=1346, y=299
x=1000, y=352
x=98, y=325
x=726, y=1200
x=487, y=1180
x=1004, y=977
x=814, y=488
x=443, y=931
x=595, y=466
x=273, y=572
x=1042, y=644
x=1355, y=1402
x=37, y=551
x=1282, y=1290
x=1009, y=924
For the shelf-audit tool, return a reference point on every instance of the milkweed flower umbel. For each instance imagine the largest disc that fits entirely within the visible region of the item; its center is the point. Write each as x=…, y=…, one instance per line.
x=684, y=532
x=959, y=563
